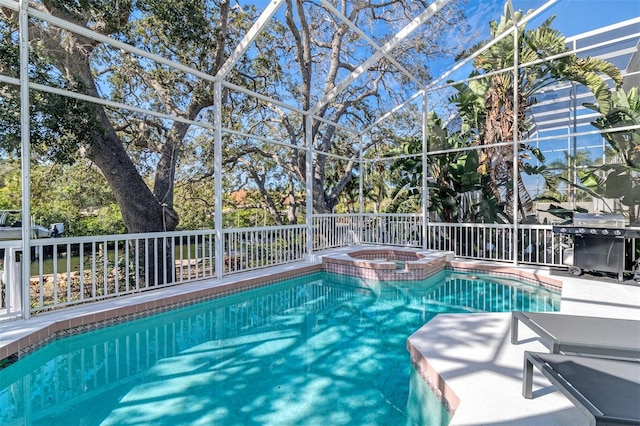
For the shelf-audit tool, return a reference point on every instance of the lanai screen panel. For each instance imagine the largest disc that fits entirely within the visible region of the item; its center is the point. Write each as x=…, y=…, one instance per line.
x=561, y=123
x=558, y=124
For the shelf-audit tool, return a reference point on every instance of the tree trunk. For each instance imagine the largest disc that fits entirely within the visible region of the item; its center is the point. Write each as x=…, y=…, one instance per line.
x=292, y=204
x=320, y=204
x=141, y=211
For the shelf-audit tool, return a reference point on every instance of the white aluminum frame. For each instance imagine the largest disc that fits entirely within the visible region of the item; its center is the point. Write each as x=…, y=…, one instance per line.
x=385, y=51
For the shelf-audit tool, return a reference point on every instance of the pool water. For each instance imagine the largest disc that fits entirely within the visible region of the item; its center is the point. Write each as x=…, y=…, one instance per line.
x=322, y=349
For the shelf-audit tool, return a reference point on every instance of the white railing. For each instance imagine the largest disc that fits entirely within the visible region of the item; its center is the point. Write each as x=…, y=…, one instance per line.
x=70, y=271
x=340, y=230
x=393, y=229
x=336, y=230
x=536, y=244
x=252, y=248
x=10, y=295
x=476, y=241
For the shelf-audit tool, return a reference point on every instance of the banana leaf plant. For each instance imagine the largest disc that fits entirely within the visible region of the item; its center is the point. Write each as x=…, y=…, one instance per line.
x=452, y=175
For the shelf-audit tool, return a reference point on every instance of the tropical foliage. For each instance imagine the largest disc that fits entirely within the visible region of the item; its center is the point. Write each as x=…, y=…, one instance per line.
x=145, y=158
x=455, y=177
x=618, y=179
x=559, y=173
x=155, y=173
x=496, y=98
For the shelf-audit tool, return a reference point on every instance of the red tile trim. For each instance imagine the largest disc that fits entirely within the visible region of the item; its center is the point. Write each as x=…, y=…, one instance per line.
x=506, y=271
x=432, y=378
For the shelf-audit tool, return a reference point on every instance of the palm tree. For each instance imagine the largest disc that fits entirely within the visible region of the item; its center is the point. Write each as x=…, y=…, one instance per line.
x=406, y=172
x=488, y=105
x=375, y=186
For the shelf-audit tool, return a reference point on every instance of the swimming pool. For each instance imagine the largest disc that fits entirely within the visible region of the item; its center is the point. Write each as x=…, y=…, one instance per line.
x=314, y=350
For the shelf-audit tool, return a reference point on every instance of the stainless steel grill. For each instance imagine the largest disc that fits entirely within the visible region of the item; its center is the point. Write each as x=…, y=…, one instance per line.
x=598, y=243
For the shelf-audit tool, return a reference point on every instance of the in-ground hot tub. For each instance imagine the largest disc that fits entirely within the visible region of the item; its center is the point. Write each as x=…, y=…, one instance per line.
x=388, y=264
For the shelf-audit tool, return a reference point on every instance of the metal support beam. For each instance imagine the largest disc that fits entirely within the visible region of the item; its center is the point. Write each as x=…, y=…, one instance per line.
x=25, y=158
x=361, y=190
x=217, y=179
x=516, y=146
x=425, y=174
x=456, y=67
x=253, y=32
x=309, y=178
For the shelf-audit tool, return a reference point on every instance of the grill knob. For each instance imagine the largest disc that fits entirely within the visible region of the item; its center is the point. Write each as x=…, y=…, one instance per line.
x=581, y=231
x=563, y=230
x=593, y=231
x=605, y=232
x=617, y=232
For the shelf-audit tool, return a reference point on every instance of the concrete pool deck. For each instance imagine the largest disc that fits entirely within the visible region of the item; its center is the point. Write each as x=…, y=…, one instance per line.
x=471, y=352
x=474, y=356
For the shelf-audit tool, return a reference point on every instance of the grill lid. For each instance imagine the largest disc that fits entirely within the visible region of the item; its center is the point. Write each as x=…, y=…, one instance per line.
x=599, y=220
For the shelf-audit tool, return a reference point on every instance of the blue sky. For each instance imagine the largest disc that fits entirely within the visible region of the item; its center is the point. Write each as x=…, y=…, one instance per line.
x=579, y=16
x=573, y=16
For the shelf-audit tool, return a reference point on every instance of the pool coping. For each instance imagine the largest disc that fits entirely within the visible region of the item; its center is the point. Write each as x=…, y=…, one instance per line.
x=20, y=337
x=429, y=374
x=471, y=364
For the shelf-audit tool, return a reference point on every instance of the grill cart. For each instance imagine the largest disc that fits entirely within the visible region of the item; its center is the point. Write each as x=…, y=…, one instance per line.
x=598, y=243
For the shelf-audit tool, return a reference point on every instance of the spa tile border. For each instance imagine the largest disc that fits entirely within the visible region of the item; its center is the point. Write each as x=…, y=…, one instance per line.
x=392, y=254
x=386, y=274
x=379, y=263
